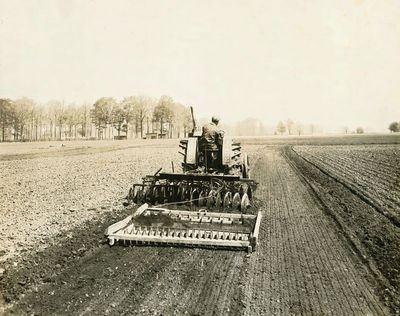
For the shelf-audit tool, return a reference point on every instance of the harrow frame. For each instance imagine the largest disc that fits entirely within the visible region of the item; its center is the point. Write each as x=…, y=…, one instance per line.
x=127, y=231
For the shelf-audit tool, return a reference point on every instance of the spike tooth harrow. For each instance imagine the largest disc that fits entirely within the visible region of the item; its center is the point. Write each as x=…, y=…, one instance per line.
x=188, y=228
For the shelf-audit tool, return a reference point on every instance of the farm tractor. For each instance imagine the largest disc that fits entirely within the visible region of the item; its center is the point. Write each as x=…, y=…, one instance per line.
x=208, y=204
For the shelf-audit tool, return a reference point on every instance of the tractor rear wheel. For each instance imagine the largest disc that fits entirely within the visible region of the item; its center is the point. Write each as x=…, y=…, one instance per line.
x=245, y=167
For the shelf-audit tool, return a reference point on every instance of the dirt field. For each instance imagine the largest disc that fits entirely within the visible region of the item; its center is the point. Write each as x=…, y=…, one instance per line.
x=329, y=240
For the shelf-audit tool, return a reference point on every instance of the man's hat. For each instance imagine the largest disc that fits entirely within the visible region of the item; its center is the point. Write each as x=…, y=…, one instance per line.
x=215, y=119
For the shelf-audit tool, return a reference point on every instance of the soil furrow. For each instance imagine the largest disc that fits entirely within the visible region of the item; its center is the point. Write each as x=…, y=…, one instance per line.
x=391, y=217
x=318, y=254
x=354, y=219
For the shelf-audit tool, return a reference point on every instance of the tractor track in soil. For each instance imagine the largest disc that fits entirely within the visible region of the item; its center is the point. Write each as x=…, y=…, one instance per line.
x=304, y=264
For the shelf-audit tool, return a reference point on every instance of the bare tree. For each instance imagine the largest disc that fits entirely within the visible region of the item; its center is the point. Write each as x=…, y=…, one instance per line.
x=182, y=119
x=21, y=113
x=281, y=128
x=61, y=115
x=119, y=118
x=38, y=121
x=141, y=110
x=73, y=119
x=128, y=105
x=299, y=128
x=83, y=118
x=312, y=129
x=290, y=126
x=56, y=116
x=163, y=112
x=5, y=116
x=101, y=114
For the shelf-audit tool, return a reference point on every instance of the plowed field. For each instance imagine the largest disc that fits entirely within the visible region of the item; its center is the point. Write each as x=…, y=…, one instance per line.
x=328, y=244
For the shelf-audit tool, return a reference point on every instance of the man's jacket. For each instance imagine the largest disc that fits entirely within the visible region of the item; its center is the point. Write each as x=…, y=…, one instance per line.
x=212, y=136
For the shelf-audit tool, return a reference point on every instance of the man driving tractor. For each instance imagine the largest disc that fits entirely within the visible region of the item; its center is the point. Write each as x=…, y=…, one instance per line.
x=211, y=141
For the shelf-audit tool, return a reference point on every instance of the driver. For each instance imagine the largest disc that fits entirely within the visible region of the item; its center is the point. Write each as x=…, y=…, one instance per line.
x=212, y=135
x=211, y=141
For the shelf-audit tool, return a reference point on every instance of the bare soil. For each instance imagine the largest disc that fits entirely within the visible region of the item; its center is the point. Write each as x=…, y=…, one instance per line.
x=314, y=257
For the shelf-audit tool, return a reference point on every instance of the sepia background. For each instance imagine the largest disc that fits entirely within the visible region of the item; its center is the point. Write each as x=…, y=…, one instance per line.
x=96, y=95
x=331, y=64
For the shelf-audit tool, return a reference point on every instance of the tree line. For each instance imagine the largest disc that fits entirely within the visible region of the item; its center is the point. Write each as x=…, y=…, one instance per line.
x=255, y=127
x=135, y=116
x=291, y=127
x=132, y=117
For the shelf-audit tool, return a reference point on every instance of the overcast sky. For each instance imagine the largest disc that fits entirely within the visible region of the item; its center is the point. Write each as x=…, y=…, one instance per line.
x=332, y=63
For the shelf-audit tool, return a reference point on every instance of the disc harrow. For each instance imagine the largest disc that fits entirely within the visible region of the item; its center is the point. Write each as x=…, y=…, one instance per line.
x=231, y=193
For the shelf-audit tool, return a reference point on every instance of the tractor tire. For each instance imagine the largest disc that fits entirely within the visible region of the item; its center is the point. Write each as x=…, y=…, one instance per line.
x=245, y=167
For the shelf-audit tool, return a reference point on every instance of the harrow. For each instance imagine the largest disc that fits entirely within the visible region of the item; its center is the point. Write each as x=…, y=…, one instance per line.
x=208, y=204
x=161, y=226
x=213, y=191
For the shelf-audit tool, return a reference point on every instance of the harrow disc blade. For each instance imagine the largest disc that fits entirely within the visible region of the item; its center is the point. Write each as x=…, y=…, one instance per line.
x=194, y=197
x=186, y=194
x=131, y=194
x=175, y=193
x=203, y=198
x=181, y=192
x=211, y=198
x=162, y=194
x=227, y=200
x=154, y=195
x=249, y=192
x=169, y=193
x=146, y=194
x=138, y=195
x=218, y=200
x=236, y=201
x=245, y=202
x=242, y=190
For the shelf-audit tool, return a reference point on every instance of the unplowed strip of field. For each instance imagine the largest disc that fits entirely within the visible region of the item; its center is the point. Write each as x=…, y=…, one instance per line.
x=303, y=264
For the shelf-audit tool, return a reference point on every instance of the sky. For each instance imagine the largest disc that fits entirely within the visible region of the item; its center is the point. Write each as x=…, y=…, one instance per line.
x=332, y=63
